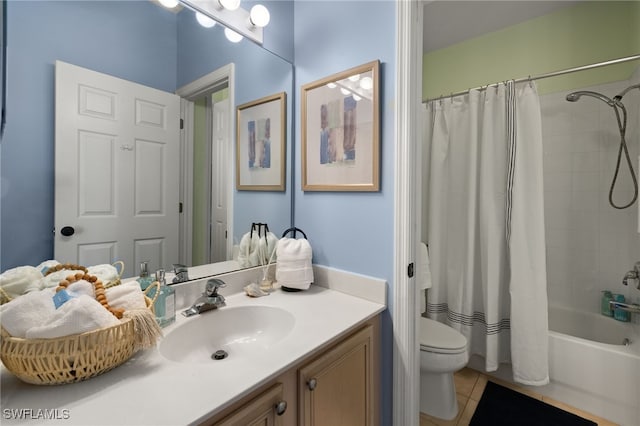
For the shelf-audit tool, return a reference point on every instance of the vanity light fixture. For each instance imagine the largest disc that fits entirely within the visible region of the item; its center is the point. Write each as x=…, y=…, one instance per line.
x=366, y=83
x=332, y=85
x=204, y=20
x=169, y=4
x=345, y=91
x=235, y=18
x=229, y=4
x=354, y=77
x=259, y=16
x=232, y=36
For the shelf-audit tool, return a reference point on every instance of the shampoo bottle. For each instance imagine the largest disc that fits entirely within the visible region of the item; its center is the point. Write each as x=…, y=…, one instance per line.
x=166, y=302
x=605, y=306
x=619, y=314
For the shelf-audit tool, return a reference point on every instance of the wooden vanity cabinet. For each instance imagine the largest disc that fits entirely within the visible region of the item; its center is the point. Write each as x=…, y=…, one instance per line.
x=336, y=385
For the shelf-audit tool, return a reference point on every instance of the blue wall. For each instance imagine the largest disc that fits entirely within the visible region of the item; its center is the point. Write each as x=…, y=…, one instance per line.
x=351, y=231
x=94, y=35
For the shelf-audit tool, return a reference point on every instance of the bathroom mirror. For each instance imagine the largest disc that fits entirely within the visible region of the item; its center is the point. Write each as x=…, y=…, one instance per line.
x=144, y=43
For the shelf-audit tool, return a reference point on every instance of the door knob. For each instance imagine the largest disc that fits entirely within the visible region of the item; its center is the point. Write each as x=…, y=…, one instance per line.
x=67, y=231
x=281, y=407
x=311, y=384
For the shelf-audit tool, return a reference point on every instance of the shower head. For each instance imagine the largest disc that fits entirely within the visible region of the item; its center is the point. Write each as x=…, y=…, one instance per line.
x=574, y=96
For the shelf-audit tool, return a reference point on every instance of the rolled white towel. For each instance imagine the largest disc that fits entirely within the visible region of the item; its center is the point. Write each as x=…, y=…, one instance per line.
x=81, y=287
x=126, y=296
x=28, y=311
x=44, y=266
x=18, y=281
x=78, y=315
x=105, y=273
x=54, y=278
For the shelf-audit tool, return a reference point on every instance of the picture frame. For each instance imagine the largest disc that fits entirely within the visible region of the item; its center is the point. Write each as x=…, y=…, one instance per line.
x=261, y=144
x=340, y=131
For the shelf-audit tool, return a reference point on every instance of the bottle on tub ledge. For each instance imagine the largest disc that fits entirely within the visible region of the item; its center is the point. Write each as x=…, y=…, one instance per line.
x=165, y=305
x=619, y=314
x=605, y=306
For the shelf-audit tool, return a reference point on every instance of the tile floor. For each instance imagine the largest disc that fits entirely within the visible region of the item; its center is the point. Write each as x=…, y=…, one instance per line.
x=469, y=387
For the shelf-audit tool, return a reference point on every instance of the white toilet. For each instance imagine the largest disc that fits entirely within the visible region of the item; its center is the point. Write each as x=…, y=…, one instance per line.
x=443, y=351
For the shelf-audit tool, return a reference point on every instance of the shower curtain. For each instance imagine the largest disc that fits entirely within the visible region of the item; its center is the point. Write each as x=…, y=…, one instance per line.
x=485, y=225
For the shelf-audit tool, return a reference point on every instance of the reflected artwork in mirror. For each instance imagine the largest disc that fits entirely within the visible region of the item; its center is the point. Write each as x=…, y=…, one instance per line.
x=166, y=50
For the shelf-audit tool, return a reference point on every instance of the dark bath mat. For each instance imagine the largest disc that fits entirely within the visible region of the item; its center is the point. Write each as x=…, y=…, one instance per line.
x=502, y=406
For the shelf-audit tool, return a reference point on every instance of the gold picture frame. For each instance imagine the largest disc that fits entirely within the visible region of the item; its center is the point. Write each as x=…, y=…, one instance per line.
x=341, y=131
x=261, y=144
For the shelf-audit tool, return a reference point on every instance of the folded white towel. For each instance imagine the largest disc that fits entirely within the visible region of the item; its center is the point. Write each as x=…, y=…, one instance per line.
x=18, y=281
x=76, y=316
x=28, y=311
x=294, y=268
x=127, y=296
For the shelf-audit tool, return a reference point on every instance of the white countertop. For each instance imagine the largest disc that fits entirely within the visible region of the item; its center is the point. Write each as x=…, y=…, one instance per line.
x=151, y=390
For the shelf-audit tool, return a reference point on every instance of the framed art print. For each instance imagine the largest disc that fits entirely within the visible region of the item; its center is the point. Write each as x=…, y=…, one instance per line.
x=340, y=131
x=261, y=144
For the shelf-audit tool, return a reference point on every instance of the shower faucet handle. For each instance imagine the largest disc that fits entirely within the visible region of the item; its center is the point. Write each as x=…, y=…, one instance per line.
x=633, y=274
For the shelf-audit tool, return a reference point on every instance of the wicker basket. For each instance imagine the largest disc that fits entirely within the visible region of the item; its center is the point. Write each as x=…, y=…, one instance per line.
x=72, y=358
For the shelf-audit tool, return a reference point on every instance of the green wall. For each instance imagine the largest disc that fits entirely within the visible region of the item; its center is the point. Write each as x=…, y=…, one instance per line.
x=579, y=35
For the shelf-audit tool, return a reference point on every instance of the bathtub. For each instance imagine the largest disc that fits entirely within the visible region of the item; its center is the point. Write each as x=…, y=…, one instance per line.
x=590, y=367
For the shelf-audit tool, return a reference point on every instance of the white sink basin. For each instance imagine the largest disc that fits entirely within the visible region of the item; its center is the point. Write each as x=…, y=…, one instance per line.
x=242, y=332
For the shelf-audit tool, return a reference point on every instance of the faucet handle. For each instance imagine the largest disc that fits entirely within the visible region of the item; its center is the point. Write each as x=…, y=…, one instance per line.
x=213, y=285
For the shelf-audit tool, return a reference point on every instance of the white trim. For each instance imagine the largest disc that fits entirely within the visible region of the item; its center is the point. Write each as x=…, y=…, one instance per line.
x=190, y=92
x=406, y=356
x=186, y=182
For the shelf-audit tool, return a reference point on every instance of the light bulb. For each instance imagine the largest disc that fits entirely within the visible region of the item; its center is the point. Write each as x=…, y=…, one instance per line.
x=331, y=85
x=345, y=91
x=229, y=4
x=356, y=97
x=259, y=16
x=232, y=36
x=355, y=77
x=169, y=4
x=204, y=20
x=366, y=83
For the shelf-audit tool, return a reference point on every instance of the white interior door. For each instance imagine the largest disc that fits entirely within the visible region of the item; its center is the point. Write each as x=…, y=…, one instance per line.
x=220, y=140
x=116, y=171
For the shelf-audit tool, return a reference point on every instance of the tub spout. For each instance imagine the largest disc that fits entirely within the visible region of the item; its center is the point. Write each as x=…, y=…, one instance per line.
x=633, y=274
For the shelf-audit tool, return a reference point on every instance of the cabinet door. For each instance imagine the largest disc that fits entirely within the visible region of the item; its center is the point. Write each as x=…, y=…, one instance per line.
x=337, y=388
x=265, y=409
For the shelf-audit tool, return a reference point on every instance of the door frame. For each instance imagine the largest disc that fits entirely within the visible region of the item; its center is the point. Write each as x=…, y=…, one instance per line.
x=405, y=306
x=188, y=94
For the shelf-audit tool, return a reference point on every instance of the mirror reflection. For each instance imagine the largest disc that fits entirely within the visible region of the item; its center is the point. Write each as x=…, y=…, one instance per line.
x=170, y=52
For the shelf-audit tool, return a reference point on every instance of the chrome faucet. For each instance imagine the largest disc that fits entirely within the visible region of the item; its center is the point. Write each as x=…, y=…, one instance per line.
x=209, y=300
x=633, y=274
x=182, y=273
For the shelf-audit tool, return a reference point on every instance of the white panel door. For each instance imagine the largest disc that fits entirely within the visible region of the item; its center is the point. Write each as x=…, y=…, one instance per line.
x=221, y=137
x=116, y=171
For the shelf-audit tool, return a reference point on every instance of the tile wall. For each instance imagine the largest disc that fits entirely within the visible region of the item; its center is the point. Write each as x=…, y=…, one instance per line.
x=590, y=245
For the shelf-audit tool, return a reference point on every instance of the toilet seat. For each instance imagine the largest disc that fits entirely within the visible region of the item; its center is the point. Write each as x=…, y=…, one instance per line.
x=440, y=338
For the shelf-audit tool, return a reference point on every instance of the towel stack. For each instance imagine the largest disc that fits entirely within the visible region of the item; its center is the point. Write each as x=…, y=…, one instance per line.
x=34, y=314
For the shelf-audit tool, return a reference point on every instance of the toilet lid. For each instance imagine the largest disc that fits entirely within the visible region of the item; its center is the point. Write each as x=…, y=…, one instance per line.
x=438, y=337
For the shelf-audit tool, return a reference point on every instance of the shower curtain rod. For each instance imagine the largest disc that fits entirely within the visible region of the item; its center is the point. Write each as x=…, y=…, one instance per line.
x=541, y=76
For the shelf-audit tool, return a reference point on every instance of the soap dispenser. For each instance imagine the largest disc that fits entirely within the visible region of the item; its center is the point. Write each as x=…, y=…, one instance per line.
x=166, y=302
x=144, y=279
